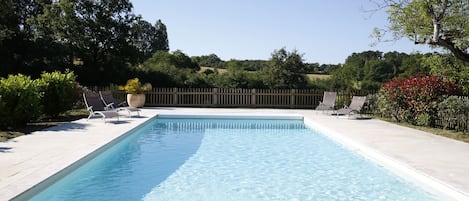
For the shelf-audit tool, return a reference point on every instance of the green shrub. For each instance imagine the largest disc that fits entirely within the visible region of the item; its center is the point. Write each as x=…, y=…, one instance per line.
x=59, y=92
x=19, y=101
x=371, y=104
x=415, y=99
x=454, y=113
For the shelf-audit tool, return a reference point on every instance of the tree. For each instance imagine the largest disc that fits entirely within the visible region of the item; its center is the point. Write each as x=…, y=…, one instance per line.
x=148, y=38
x=181, y=60
x=369, y=69
x=449, y=67
x=284, y=70
x=239, y=74
x=329, y=68
x=160, y=41
x=312, y=68
x=211, y=60
x=95, y=32
x=176, y=59
x=442, y=23
x=176, y=66
x=8, y=24
x=235, y=77
x=144, y=35
x=19, y=52
x=14, y=15
x=413, y=65
x=352, y=73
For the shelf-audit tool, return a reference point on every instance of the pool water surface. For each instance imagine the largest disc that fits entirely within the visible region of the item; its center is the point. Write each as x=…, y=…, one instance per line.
x=231, y=159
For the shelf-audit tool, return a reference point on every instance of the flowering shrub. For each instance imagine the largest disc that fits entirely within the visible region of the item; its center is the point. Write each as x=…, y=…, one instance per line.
x=134, y=86
x=415, y=99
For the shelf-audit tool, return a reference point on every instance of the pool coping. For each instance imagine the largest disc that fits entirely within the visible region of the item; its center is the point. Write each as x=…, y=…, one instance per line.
x=308, y=115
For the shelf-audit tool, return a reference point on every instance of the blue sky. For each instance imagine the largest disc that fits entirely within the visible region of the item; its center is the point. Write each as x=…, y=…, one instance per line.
x=324, y=31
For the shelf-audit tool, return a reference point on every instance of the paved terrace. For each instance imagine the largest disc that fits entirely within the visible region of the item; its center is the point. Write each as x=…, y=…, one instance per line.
x=27, y=160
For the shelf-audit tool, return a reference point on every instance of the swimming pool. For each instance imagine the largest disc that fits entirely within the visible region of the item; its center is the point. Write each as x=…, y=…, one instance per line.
x=230, y=159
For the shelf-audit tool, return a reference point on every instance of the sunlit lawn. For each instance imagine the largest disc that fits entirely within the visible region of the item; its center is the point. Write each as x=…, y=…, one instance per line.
x=437, y=131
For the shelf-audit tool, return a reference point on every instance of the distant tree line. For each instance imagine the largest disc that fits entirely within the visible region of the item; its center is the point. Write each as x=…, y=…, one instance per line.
x=366, y=70
x=214, y=61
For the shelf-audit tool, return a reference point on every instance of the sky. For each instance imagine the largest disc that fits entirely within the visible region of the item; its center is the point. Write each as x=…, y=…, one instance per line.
x=324, y=31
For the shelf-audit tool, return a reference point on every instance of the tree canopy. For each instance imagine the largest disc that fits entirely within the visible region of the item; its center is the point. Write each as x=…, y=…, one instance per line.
x=441, y=23
x=90, y=37
x=284, y=70
x=369, y=69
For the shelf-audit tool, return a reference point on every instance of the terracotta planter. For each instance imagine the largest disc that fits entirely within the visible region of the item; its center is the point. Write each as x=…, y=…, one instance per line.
x=136, y=100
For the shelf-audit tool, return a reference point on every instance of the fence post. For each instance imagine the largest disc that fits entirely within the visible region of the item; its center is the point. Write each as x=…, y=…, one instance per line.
x=175, y=96
x=215, y=96
x=253, y=97
x=292, y=98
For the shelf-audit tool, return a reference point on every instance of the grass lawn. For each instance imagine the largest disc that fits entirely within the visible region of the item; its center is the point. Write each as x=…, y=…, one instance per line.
x=447, y=133
x=42, y=124
x=437, y=131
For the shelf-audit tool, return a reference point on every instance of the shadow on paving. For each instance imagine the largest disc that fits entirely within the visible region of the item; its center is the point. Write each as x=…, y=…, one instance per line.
x=5, y=149
x=67, y=127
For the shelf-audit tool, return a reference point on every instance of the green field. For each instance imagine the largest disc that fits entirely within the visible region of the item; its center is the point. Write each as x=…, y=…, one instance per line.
x=318, y=76
x=310, y=76
x=220, y=70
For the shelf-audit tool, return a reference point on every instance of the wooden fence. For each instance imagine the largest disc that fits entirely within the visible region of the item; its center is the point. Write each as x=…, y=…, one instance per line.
x=247, y=98
x=251, y=98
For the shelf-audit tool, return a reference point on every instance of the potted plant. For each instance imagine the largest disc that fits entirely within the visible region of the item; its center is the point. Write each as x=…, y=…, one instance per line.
x=135, y=89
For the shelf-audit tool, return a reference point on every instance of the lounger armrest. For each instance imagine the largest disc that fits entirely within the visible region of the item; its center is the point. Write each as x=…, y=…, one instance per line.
x=122, y=104
x=109, y=106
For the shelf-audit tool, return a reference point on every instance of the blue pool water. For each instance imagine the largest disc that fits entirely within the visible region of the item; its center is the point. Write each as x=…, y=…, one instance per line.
x=230, y=159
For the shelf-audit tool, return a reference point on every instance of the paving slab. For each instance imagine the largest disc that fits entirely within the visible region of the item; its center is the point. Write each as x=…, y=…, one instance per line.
x=28, y=160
